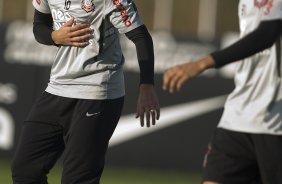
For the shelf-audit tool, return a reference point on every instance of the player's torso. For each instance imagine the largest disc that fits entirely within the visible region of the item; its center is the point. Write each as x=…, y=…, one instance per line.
x=104, y=39
x=252, y=106
x=96, y=66
x=251, y=14
x=263, y=66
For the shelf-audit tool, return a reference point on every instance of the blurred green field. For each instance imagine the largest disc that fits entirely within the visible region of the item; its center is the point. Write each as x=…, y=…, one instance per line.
x=119, y=176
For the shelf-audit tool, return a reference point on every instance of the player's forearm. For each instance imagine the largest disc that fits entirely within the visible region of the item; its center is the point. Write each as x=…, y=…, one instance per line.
x=145, y=53
x=205, y=63
x=258, y=40
x=42, y=28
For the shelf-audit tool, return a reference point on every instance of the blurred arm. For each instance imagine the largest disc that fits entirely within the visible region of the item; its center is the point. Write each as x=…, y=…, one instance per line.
x=261, y=38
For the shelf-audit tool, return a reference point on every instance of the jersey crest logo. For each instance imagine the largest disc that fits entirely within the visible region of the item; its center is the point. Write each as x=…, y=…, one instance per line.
x=38, y=2
x=265, y=4
x=88, y=5
x=260, y=3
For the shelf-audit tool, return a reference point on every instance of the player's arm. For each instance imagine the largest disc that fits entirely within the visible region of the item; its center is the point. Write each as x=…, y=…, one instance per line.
x=260, y=39
x=43, y=27
x=124, y=16
x=145, y=54
x=70, y=34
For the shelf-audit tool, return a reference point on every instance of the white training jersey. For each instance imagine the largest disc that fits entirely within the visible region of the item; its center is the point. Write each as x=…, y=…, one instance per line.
x=255, y=105
x=94, y=71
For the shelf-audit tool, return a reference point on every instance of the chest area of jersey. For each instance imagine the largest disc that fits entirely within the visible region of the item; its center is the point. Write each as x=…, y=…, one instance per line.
x=251, y=12
x=253, y=8
x=83, y=11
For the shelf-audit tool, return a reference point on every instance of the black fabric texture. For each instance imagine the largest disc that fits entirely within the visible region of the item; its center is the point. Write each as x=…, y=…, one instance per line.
x=80, y=128
x=145, y=53
x=261, y=38
x=43, y=27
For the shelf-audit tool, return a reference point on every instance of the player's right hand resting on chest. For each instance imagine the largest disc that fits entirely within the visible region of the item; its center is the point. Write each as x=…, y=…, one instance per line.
x=72, y=34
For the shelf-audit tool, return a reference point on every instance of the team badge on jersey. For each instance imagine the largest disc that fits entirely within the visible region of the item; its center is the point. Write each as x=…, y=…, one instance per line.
x=265, y=4
x=88, y=5
x=38, y=2
x=261, y=3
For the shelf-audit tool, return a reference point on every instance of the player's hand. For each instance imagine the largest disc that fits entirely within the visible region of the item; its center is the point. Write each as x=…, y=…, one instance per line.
x=147, y=106
x=72, y=34
x=175, y=77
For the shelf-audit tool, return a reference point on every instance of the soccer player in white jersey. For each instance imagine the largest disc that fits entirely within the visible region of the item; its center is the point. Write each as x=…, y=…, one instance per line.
x=247, y=145
x=82, y=103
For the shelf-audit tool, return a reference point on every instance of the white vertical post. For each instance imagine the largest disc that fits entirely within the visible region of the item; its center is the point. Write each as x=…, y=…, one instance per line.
x=207, y=19
x=163, y=15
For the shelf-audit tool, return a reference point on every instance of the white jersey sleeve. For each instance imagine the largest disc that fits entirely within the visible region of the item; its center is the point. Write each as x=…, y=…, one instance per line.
x=272, y=10
x=41, y=5
x=123, y=14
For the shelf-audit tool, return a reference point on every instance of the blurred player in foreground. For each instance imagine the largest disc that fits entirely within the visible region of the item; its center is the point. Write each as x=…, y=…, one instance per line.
x=82, y=104
x=247, y=145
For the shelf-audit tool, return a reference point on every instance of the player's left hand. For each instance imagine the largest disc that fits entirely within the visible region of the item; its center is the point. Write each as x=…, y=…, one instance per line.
x=147, y=105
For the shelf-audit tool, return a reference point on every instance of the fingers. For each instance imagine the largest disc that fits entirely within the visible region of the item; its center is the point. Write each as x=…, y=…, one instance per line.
x=154, y=112
x=153, y=115
x=147, y=106
x=142, y=119
x=78, y=44
x=140, y=114
x=80, y=35
x=77, y=35
x=158, y=113
x=171, y=79
x=153, y=118
x=175, y=78
x=166, y=78
x=78, y=27
x=180, y=83
x=69, y=23
x=81, y=38
x=150, y=115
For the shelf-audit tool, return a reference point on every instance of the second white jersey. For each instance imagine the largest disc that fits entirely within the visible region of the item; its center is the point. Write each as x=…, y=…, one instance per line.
x=255, y=105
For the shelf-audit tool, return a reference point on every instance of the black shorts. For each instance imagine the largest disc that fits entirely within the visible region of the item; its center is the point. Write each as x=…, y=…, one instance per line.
x=243, y=158
x=80, y=128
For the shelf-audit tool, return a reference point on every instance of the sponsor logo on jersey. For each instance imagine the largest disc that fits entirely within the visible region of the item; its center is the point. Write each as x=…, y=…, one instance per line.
x=88, y=5
x=123, y=13
x=264, y=4
x=38, y=2
x=60, y=18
